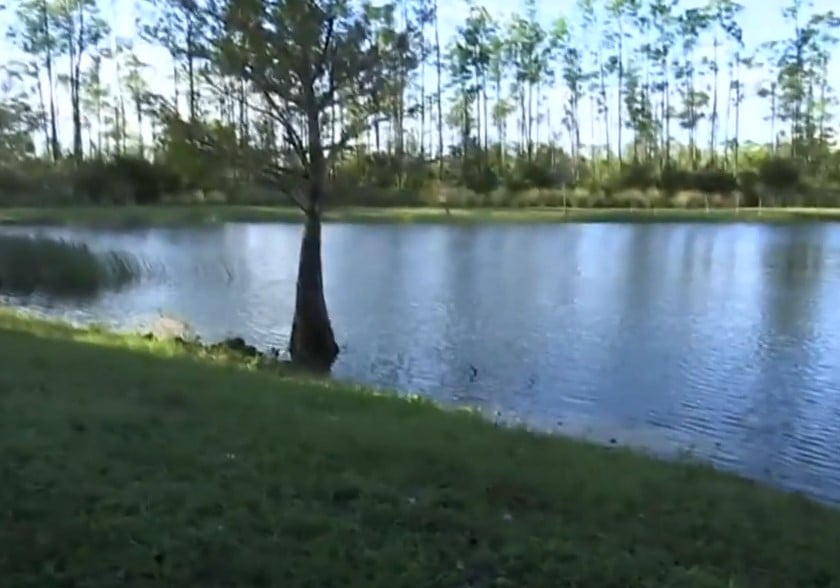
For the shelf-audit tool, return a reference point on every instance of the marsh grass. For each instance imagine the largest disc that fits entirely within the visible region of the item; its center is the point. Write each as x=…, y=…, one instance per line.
x=59, y=268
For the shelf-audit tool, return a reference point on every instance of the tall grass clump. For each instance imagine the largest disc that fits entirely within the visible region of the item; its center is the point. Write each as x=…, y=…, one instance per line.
x=59, y=268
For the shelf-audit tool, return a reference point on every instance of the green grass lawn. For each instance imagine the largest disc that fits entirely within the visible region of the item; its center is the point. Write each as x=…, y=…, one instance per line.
x=137, y=216
x=129, y=463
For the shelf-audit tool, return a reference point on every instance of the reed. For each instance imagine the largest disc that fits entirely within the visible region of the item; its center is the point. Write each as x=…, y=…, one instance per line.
x=60, y=268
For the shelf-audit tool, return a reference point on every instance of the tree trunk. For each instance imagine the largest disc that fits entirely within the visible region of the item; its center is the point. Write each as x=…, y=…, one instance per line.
x=423, y=59
x=138, y=107
x=193, y=98
x=484, y=113
x=774, y=138
x=607, y=142
x=312, y=342
x=55, y=148
x=714, y=121
x=620, y=97
x=737, y=144
x=439, y=97
x=75, y=87
x=42, y=108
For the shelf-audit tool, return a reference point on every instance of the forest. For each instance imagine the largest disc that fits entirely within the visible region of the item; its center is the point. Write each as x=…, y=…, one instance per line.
x=618, y=103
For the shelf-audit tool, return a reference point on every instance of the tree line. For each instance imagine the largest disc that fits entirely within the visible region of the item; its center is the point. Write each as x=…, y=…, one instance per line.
x=331, y=100
x=619, y=102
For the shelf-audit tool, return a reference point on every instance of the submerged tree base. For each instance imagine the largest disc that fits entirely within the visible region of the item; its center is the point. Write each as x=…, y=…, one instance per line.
x=313, y=346
x=312, y=342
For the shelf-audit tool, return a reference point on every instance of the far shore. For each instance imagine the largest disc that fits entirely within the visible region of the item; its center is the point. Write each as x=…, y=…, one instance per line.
x=207, y=214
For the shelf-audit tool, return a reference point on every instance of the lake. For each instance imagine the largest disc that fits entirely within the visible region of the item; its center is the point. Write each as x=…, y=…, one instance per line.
x=719, y=341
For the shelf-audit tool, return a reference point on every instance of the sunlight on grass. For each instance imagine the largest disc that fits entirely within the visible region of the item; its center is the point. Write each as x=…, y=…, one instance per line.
x=167, y=469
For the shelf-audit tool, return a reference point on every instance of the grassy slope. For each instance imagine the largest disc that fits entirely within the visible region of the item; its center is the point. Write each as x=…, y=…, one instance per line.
x=125, y=463
x=202, y=214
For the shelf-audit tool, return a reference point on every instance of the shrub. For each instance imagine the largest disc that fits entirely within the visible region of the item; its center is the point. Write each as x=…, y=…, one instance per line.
x=93, y=180
x=748, y=182
x=631, y=198
x=12, y=180
x=514, y=182
x=712, y=180
x=59, y=268
x=690, y=199
x=674, y=179
x=481, y=179
x=539, y=173
x=639, y=176
x=147, y=181
x=125, y=179
x=779, y=173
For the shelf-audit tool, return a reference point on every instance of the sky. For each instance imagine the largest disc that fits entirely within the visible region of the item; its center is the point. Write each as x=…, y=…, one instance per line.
x=762, y=21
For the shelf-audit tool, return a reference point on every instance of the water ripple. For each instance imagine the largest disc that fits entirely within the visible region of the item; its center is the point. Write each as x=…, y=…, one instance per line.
x=719, y=341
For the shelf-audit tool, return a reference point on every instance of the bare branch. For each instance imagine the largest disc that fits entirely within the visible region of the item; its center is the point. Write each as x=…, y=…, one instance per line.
x=322, y=58
x=292, y=135
x=236, y=156
x=349, y=133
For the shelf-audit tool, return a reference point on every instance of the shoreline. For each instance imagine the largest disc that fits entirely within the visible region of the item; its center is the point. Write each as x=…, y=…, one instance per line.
x=204, y=214
x=172, y=465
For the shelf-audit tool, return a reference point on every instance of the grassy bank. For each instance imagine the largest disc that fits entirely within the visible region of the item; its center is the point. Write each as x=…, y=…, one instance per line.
x=59, y=268
x=174, y=215
x=169, y=470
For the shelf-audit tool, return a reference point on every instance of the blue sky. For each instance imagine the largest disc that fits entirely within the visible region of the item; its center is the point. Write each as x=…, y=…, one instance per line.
x=762, y=21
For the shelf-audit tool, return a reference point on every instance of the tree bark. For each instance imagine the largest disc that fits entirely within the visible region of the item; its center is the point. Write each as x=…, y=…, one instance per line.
x=55, y=148
x=439, y=96
x=75, y=87
x=312, y=342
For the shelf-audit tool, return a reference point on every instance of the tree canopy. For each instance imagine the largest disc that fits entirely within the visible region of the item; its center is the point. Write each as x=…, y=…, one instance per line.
x=239, y=95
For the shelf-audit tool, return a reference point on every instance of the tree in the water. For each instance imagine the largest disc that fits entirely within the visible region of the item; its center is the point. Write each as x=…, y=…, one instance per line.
x=299, y=59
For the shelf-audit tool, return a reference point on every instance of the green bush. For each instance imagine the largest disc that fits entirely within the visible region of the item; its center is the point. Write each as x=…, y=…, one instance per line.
x=35, y=183
x=690, y=199
x=148, y=181
x=748, y=182
x=630, y=198
x=480, y=178
x=59, y=268
x=713, y=180
x=93, y=181
x=12, y=180
x=635, y=176
x=779, y=173
x=675, y=179
x=123, y=180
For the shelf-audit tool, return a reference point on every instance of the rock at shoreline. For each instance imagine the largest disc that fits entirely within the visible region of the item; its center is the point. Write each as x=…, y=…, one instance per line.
x=166, y=327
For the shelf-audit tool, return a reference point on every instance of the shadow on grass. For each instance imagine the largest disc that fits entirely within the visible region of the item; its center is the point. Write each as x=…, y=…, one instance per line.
x=128, y=462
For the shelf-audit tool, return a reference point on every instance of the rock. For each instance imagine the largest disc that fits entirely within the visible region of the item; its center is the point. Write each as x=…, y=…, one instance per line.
x=169, y=328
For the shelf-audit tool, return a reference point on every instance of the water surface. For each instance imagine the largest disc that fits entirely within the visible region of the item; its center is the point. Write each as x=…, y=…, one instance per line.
x=719, y=340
